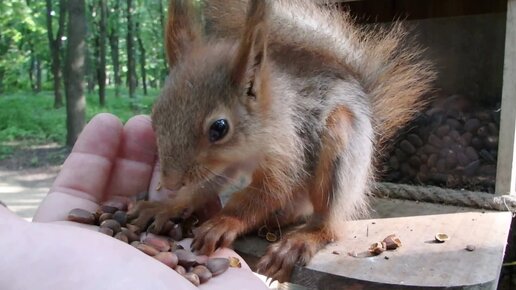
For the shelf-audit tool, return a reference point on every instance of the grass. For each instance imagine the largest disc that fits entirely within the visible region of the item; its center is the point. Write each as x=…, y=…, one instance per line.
x=29, y=118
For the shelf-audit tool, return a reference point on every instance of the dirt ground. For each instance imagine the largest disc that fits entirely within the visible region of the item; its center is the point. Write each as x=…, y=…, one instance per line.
x=26, y=176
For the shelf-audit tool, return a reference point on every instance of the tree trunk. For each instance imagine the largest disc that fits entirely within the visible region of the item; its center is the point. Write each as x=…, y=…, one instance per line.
x=32, y=69
x=101, y=66
x=92, y=52
x=90, y=68
x=38, y=75
x=74, y=68
x=2, y=73
x=55, y=47
x=113, y=43
x=142, y=59
x=131, y=63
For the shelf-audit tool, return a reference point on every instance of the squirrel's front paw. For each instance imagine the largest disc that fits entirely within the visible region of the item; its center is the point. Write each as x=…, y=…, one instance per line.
x=297, y=248
x=153, y=215
x=218, y=232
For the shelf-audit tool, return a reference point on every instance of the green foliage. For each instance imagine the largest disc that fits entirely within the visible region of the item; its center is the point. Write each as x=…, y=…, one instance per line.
x=30, y=117
x=22, y=36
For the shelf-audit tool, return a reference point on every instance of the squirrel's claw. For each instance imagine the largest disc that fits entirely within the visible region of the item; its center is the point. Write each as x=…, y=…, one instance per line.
x=152, y=215
x=218, y=232
x=296, y=248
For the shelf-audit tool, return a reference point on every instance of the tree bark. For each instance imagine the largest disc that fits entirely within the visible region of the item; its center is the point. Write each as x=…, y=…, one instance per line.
x=2, y=73
x=113, y=43
x=35, y=68
x=141, y=48
x=101, y=65
x=74, y=68
x=38, y=75
x=92, y=51
x=55, y=47
x=90, y=68
x=131, y=63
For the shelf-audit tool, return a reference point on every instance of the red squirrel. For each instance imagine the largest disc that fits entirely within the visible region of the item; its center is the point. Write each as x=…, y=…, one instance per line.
x=287, y=104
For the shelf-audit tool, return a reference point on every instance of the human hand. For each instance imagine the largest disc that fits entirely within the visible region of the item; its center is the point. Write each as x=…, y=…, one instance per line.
x=108, y=161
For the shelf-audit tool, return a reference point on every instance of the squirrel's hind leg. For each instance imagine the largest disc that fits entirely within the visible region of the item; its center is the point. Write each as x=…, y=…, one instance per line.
x=337, y=192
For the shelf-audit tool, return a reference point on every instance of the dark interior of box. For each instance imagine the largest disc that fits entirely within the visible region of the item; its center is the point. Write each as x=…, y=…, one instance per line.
x=453, y=143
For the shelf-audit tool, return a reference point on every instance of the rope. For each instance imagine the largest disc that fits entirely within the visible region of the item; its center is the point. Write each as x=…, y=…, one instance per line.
x=440, y=195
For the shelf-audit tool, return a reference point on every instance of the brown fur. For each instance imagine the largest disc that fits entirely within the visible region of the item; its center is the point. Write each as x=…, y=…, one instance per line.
x=309, y=98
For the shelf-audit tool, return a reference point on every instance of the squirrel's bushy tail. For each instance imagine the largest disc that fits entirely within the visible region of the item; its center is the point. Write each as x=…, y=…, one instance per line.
x=387, y=63
x=396, y=77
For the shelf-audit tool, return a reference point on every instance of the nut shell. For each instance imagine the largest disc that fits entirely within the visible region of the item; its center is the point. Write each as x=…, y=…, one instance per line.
x=377, y=248
x=105, y=216
x=167, y=258
x=203, y=273
x=81, y=216
x=180, y=270
x=106, y=231
x=120, y=217
x=217, y=266
x=122, y=237
x=159, y=243
x=186, y=258
x=441, y=237
x=392, y=242
x=234, y=262
x=193, y=278
x=151, y=251
x=112, y=224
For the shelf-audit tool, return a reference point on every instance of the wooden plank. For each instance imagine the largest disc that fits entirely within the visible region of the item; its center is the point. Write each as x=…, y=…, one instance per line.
x=506, y=168
x=419, y=263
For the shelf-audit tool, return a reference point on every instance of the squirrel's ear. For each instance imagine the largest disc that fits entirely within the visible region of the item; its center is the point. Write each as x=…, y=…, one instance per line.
x=182, y=31
x=252, y=48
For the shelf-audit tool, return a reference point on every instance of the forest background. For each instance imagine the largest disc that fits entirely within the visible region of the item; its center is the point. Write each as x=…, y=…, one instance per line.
x=52, y=49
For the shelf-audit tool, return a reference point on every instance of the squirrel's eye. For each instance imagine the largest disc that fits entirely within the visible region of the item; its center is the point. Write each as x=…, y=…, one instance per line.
x=218, y=130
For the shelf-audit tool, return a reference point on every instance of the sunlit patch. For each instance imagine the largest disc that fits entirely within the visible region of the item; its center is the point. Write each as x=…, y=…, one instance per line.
x=11, y=189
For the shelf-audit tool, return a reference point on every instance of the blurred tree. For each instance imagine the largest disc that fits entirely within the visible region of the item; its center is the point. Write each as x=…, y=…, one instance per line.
x=131, y=61
x=141, y=49
x=22, y=44
x=114, y=27
x=55, y=46
x=32, y=41
x=101, y=62
x=74, y=70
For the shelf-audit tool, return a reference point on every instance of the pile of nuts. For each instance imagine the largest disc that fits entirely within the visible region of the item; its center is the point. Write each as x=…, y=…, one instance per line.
x=449, y=146
x=111, y=217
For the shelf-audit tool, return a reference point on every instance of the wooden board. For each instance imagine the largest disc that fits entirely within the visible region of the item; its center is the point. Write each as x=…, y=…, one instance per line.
x=419, y=263
x=506, y=169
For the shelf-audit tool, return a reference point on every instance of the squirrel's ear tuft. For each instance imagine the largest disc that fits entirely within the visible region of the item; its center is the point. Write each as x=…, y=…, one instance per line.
x=252, y=48
x=183, y=29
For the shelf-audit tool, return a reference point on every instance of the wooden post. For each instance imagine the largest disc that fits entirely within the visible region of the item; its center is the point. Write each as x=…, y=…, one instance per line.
x=506, y=169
